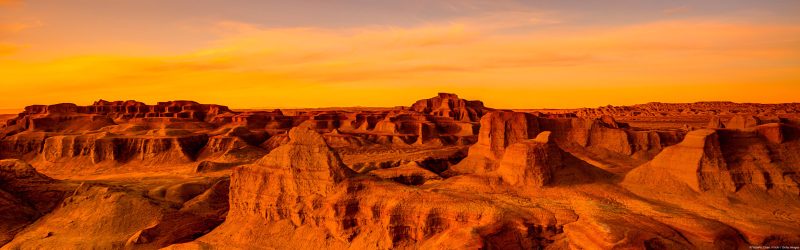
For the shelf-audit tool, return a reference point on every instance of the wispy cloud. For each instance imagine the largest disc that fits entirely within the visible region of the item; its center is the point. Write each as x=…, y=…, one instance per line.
x=526, y=58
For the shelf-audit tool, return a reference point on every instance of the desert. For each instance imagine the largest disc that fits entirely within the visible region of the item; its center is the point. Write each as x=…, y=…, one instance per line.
x=442, y=173
x=399, y=125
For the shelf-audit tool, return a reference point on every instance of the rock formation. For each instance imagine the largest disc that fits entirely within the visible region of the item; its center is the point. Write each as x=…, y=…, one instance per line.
x=697, y=162
x=449, y=105
x=25, y=195
x=531, y=163
x=409, y=174
x=743, y=122
x=499, y=129
x=302, y=196
x=715, y=123
x=287, y=182
x=100, y=216
x=445, y=173
x=726, y=161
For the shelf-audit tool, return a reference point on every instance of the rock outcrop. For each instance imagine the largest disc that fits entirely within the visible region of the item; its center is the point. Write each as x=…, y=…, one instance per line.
x=696, y=162
x=531, y=163
x=724, y=161
x=25, y=195
x=499, y=129
x=715, y=123
x=103, y=216
x=287, y=182
x=601, y=137
x=743, y=122
x=449, y=105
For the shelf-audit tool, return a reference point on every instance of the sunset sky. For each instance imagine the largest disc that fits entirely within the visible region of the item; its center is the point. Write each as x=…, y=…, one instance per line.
x=510, y=54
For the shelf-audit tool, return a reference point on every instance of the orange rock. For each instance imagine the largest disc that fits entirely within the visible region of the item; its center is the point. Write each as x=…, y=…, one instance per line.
x=449, y=105
x=291, y=178
x=499, y=129
x=715, y=123
x=531, y=163
x=696, y=162
x=743, y=122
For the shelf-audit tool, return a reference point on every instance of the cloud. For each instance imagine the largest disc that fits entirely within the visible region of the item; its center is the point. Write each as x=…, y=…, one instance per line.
x=515, y=60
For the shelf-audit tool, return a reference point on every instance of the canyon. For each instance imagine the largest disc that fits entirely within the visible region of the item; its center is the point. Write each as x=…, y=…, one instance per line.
x=442, y=173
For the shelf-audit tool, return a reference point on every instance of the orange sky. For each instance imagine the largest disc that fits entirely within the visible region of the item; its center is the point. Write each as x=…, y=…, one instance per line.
x=516, y=57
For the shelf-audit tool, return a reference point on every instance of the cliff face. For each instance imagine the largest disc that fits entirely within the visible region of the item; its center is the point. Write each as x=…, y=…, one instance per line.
x=134, y=109
x=499, y=129
x=726, y=161
x=104, y=147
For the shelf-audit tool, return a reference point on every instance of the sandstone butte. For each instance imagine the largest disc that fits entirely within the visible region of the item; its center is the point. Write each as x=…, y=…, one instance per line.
x=443, y=173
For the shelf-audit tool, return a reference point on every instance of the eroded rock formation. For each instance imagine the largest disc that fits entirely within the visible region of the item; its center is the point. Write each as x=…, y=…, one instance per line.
x=449, y=105
x=531, y=163
x=182, y=175
x=726, y=160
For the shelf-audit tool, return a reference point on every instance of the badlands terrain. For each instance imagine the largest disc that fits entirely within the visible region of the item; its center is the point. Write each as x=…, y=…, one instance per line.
x=442, y=173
